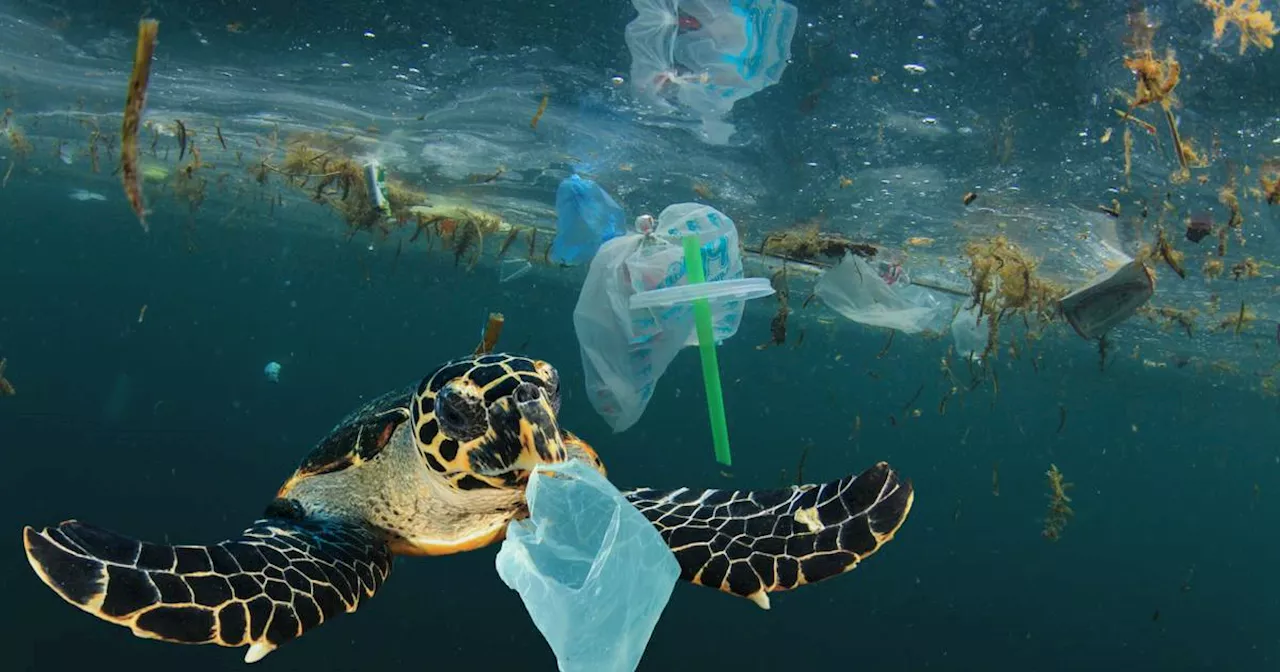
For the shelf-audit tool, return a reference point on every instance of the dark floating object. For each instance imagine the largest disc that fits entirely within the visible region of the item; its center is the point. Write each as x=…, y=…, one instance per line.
x=1199, y=227
x=970, y=197
x=1107, y=301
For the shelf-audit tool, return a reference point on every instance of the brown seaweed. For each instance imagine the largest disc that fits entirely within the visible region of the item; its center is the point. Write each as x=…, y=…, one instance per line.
x=134, y=103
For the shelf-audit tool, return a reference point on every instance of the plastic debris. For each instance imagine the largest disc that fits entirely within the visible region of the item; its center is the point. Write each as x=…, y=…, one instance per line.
x=272, y=371
x=592, y=572
x=971, y=332
x=375, y=181
x=513, y=269
x=625, y=351
x=587, y=217
x=705, y=55
x=85, y=195
x=858, y=292
x=1109, y=300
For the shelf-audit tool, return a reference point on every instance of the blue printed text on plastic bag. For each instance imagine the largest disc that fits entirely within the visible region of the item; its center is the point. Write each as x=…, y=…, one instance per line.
x=587, y=216
x=717, y=235
x=593, y=573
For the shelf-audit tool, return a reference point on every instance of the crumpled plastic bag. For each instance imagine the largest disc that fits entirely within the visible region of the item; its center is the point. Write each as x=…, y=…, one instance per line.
x=855, y=290
x=587, y=216
x=705, y=55
x=593, y=573
x=625, y=352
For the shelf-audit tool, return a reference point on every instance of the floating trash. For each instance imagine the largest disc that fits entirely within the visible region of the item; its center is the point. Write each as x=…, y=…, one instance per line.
x=592, y=572
x=513, y=269
x=625, y=346
x=85, y=195
x=705, y=56
x=272, y=371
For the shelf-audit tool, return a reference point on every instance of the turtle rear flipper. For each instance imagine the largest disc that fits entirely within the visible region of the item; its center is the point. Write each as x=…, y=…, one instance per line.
x=752, y=543
x=278, y=579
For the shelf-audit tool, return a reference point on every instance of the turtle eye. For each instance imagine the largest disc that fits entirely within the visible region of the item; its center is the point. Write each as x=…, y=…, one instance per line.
x=552, y=377
x=460, y=411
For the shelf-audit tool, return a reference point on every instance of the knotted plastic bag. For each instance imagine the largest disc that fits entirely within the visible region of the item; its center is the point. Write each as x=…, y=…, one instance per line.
x=624, y=351
x=593, y=573
x=855, y=290
x=586, y=217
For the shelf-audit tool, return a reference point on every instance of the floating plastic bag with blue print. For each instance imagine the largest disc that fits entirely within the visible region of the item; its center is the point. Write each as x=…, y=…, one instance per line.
x=705, y=55
x=625, y=351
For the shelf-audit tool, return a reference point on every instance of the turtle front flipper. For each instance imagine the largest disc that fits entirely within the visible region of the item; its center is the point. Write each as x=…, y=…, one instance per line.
x=278, y=579
x=752, y=543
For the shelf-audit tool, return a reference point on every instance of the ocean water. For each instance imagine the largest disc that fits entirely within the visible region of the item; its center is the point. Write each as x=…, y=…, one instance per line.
x=159, y=423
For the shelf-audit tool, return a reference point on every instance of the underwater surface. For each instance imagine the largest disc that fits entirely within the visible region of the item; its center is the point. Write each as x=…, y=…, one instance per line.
x=1000, y=154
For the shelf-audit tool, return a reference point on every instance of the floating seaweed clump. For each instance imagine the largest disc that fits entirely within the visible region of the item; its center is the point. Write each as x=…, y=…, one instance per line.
x=462, y=228
x=1059, y=505
x=320, y=165
x=188, y=182
x=806, y=243
x=1269, y=180
x=1256, y=27
x=1005, y=282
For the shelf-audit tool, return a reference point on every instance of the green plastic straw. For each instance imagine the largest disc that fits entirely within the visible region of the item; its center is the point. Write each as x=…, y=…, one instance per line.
x=707, y=348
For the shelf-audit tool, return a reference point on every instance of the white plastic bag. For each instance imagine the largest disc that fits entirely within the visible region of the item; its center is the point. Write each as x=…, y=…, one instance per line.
x=855, y=290
x=625, y=352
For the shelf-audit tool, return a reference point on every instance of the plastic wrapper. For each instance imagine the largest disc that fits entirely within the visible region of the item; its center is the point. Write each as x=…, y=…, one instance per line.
x=593, y=573
x=857, y=291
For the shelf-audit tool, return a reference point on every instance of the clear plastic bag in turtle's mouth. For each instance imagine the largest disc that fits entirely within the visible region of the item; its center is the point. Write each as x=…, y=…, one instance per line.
x=593, y=573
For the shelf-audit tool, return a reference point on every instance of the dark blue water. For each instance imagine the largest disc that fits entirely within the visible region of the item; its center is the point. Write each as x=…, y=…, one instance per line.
x=168, y=430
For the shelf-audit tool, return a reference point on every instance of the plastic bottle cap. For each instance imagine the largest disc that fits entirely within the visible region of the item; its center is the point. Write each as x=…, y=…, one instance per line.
x=722, y=290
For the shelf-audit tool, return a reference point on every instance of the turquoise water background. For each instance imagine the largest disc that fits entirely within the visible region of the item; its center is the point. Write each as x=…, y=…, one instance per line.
x=1176, y=477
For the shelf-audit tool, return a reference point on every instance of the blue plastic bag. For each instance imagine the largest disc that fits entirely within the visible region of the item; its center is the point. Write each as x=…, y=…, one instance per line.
x=593, y=573
x=587, y=217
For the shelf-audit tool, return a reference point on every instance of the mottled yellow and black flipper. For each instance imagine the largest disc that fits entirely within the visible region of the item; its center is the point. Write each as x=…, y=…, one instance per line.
x=278, y=579
x=752, y=543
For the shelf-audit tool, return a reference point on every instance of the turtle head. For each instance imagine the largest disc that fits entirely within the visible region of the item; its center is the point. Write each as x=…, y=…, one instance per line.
x=486, y=421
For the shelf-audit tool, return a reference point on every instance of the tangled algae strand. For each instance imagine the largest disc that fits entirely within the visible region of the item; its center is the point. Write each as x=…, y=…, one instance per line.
x=1005, y=283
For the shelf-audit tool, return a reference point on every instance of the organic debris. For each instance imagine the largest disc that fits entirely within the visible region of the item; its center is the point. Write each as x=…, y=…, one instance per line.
x=1269, y=181
x=320, y=165
x=1005, y=282
x=1163, y=250
x=807, y=243
x=1256, y=27
x=492, y=330
x=1156, y=80
x=1059, y=505
x=778, y=325
x=1239, y=320
x=1174, y=318
x=134, y=102
x=1247, y=269
x=6, y=388
x=542, y=107
x=1227, y=196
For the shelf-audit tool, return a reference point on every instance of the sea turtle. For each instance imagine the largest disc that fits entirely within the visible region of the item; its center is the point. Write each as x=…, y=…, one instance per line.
x=438, y=469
